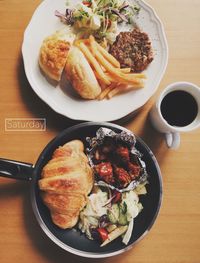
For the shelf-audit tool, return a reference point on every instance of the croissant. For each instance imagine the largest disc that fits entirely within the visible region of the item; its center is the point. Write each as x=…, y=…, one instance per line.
x=65, y=182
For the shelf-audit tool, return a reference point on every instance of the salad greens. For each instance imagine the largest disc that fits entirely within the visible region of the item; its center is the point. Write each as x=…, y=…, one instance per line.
x=106, y=218
x=99, y=17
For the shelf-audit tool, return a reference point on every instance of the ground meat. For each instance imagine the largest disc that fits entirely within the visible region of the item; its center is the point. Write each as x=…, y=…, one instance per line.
x=133, y=50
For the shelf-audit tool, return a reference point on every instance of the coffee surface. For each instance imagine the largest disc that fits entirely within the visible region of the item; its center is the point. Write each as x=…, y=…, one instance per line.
x=179, y=108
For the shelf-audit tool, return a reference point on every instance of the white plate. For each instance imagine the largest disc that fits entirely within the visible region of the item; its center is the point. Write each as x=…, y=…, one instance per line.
x=44, y=23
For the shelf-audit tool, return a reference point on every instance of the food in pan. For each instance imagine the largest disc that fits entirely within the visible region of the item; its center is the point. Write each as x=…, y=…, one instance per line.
x=133, y=50
x=53, y=53
x=65, y=182
x=120, y=177
x=97, y=193
x=110, y=214
x=114, y=164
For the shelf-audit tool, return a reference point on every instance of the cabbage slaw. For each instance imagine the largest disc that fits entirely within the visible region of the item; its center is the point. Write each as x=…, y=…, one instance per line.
x=99, y=17
x=105, y=220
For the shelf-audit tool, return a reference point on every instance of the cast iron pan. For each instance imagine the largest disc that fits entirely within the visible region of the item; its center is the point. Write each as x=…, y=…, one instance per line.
x=72, y=240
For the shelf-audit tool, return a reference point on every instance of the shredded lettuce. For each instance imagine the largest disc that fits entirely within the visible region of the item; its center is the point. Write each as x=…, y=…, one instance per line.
x=128, y=233
x=100, y=16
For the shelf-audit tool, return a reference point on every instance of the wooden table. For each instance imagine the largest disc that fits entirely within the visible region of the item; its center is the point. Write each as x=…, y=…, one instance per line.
x=175, y=237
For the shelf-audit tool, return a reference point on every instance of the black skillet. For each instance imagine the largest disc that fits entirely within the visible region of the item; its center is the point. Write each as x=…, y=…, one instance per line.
x=72, y=240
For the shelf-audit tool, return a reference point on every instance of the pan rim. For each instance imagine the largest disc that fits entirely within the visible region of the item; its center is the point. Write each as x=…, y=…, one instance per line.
x=42, y=224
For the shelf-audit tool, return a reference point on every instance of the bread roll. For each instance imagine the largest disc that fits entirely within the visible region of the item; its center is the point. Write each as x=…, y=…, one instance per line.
x=66, y=181
x=53, y=53
x=81, y=75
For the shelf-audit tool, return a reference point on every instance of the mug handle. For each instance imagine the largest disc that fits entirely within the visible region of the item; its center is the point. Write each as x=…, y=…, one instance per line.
x=173, y=140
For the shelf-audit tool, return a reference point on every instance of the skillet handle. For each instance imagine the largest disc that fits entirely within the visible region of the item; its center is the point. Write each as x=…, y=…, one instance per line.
x=16, y=170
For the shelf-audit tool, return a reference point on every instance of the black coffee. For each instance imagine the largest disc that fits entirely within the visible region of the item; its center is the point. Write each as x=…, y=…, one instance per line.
x=179, y=108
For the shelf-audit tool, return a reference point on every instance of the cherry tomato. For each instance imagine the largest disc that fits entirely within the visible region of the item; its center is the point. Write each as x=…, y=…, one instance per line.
x=103, y=233
x=104, y=169
x=87, y=3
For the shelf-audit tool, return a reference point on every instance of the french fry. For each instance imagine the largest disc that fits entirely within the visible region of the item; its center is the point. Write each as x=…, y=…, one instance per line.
x=78, y=41
x=125, y=70
x=137, y=75
x=101, y=83
x=105, y=53
x=116, y=90
x=91, y=59
x=119, y=76
x=111, y=58
x=113, y=78
x=115, y=234
x=110, y=76
x=104, y=93
x=93, y=46
x=130, y=80
x=137, y=85
x=121, y=88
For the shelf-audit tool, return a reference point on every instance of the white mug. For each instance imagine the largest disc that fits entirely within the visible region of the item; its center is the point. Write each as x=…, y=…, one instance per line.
x=172, y=132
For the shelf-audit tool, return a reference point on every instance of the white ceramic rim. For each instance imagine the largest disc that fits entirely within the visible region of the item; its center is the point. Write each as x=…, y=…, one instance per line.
x=111, y=115
x=179, y=86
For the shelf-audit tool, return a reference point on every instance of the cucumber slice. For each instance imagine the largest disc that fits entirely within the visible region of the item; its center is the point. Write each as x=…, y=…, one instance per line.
x=113, y=213
x=123, y=214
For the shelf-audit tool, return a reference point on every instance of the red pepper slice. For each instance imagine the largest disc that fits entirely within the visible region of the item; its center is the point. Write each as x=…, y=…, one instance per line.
x=117, y=197
x=103, y=233
x=87, y=3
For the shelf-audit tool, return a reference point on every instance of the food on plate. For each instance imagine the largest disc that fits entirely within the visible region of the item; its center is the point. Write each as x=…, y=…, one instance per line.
x=99, y=17
x=133, y=50
x=93, y=72
x=65, y=183
x=81, y=75
x=53, y=53
x=110, y=76
x=97, y=66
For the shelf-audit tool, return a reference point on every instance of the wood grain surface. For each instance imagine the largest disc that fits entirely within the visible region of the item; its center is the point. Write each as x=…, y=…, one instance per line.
x=175, y=237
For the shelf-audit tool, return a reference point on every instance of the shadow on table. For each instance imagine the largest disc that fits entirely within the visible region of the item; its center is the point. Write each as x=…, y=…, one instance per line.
x=38, y=107
x=10, y=188
x=141, y=126
x=42, y=244
x=51, y=253
x=155, y=141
